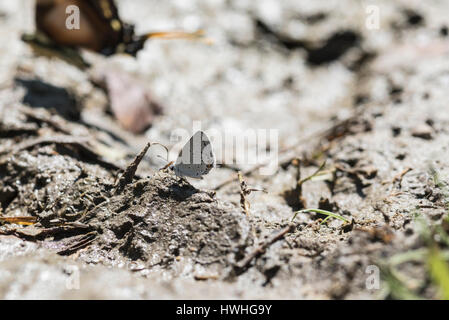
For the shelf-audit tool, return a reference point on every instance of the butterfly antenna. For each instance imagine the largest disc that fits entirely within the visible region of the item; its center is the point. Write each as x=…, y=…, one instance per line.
x=160, y=144
x=168, y=165
x=197, y=35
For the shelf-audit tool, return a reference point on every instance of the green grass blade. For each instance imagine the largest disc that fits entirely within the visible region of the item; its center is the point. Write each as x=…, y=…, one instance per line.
x=439, y=271
x=316, y=173
x=397, y=289
x=326, y=213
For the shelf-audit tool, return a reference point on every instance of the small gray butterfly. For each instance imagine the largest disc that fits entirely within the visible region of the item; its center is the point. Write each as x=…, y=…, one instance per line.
x=196, y=158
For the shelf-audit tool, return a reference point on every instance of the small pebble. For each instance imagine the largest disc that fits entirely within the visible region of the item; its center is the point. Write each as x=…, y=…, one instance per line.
x=423, y=131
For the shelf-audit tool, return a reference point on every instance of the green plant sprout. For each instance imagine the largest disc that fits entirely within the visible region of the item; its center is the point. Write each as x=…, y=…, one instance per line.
x=313, y=175
x=439, y=271
x=432, y=256
x=324, y=212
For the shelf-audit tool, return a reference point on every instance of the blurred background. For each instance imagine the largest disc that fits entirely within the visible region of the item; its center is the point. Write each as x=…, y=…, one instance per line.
x=286, y=65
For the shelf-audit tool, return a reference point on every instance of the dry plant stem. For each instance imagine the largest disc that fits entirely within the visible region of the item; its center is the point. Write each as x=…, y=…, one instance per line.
x=242, y=264
x=85, y=240
x=297, y=163
x=128, y=175
x=206, y=277
x=80, y=143
x=27, y=221
x=48, y=120
x=58, y=139
x=175, y=35
x=243, y=193
x=398, y=178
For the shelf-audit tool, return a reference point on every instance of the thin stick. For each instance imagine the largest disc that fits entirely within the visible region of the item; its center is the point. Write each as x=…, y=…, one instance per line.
x=401, y=175
x=175, y=35
x=243, y=193
x=128, y=175
x=82, y=243
x=27, y=221
x=77, y=142
x=242, y=264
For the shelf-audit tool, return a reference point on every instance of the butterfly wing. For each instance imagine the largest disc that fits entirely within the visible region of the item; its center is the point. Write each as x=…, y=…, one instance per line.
x=196, y=157
x=100, y=29
x=118, y=36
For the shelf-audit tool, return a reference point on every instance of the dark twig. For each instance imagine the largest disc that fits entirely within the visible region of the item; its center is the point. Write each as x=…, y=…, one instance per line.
x=245, y=191
x=32, y=114
x=244, y=263
x=294, y=196
x=77, y=142
x=58, y=139
x=83, y=242
x=398, y=178
x=128, y=175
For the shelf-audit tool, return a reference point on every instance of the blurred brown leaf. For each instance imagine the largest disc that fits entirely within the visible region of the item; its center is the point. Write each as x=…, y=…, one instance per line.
x=131, y=101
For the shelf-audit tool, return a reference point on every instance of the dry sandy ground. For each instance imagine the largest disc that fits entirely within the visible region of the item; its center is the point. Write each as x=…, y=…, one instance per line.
x=372, y=103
